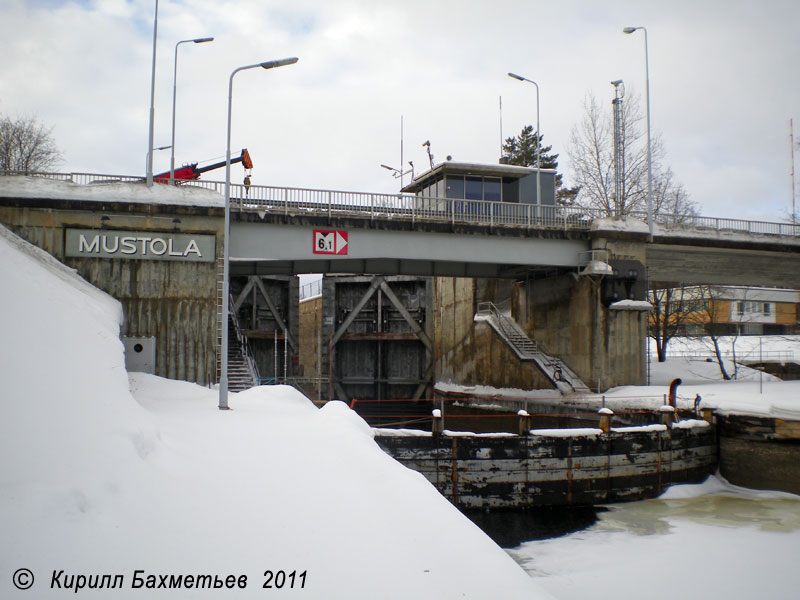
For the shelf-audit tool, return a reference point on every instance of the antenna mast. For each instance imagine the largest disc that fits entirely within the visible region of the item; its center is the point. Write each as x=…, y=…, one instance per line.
x=619, y=149
x=401, y=152
x=791, y=151
x=501, y=126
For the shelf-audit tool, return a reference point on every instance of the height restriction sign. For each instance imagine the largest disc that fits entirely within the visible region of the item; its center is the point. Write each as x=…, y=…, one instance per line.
x=328, y=241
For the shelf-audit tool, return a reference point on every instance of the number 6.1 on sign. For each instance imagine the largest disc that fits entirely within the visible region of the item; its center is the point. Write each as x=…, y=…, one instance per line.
x=330, y=241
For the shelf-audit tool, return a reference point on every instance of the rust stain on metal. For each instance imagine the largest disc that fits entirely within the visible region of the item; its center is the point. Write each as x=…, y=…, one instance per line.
x=455, y=471
x=569, y=472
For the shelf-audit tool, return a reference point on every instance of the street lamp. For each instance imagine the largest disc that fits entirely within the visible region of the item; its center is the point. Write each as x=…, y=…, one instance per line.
x=538, y=137
x=174, y=93
x=649, y=148
x=149, y=169
x=223, y=380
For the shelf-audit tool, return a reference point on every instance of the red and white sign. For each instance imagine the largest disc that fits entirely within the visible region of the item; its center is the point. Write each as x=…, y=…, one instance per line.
x=330, y=241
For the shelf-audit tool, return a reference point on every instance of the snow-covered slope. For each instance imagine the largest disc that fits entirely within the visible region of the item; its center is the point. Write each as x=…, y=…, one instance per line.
x=105, y=475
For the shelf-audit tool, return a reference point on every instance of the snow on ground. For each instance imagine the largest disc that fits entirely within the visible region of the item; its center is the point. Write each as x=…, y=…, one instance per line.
x=106, y=474
x=711, y=540
x=753, y=393
x=748, y=348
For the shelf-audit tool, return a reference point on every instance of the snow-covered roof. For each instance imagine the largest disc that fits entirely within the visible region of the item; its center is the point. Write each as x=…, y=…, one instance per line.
x=21, y=186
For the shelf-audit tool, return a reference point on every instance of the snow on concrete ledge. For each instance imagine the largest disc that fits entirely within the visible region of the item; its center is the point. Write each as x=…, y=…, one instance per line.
x=640, y=429
x=597, y=267
x=566, y=433
x=22, y=186
x=628, y=224
x=631, y=305
x=690, y=424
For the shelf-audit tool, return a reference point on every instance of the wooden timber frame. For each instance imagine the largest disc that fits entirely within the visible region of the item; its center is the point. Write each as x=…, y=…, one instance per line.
x=381, y=327
x=511, y=471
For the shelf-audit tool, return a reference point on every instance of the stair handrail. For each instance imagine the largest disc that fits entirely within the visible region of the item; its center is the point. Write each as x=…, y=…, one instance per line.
x=243, y=343
x=561, y=372
x=506, y=324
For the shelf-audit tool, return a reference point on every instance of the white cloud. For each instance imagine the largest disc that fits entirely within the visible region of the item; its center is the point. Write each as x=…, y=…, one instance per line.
x=721, y=86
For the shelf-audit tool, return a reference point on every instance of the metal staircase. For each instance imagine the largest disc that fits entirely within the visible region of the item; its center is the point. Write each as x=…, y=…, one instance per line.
x=242, y=370
x=242, y=374
x=527, y=350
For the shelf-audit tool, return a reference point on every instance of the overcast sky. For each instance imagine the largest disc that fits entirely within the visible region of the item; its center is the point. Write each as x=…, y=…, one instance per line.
x=723, y=84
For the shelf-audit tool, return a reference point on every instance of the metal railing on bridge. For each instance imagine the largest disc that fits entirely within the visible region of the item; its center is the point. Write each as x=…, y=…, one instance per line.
x=268, y=199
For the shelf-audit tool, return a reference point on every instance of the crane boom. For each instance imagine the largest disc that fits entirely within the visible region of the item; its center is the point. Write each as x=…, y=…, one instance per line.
x=190, y=172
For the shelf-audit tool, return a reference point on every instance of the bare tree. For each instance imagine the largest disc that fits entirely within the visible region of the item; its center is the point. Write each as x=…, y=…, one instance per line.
x=709, y=316
x=591, y=154
x=670, y=198
x=673, y=309
x=26, y=146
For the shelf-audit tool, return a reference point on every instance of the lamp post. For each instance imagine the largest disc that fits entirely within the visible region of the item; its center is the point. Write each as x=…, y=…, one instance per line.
x=174, y=94
x=649, y=148
x=538, y=138
x=223, y=380
x=149, y=169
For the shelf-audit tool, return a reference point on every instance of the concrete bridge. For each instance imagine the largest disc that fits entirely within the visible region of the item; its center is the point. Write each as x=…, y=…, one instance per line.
x=554, y=262
x=408, y=235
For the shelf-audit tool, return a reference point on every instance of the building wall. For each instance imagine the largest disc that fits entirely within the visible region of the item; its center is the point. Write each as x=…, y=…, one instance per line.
x=310, y=327
x=173, y=301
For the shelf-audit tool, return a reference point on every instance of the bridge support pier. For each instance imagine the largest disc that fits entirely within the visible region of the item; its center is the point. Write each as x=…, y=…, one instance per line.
x=568, y=319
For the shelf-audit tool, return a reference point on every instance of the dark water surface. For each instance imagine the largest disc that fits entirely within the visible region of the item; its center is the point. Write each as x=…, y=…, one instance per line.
x=510, y=528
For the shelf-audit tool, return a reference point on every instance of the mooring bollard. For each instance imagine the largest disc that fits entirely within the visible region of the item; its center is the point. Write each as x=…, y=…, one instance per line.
x=605, y=419
x=524, y=422
x=668, y=414
x=436, y=426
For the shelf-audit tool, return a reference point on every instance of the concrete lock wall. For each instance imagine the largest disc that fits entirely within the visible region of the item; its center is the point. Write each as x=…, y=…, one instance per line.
x=566, y=316
x=310, y=337
x=471, y=353
x=171, y=300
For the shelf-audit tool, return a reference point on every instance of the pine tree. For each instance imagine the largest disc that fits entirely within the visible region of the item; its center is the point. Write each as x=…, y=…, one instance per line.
x=521, y=150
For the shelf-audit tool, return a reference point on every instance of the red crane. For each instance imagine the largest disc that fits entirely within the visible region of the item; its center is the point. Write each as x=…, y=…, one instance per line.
x=192, y=171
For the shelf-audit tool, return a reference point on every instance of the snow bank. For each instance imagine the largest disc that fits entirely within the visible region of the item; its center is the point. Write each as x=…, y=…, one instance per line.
x=116, y=191
x=106, y=474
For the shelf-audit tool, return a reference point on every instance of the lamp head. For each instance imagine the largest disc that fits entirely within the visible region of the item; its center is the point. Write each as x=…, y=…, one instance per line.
x=271, y=64
x=515, y=76
x=203, y=40
x=629, y=29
